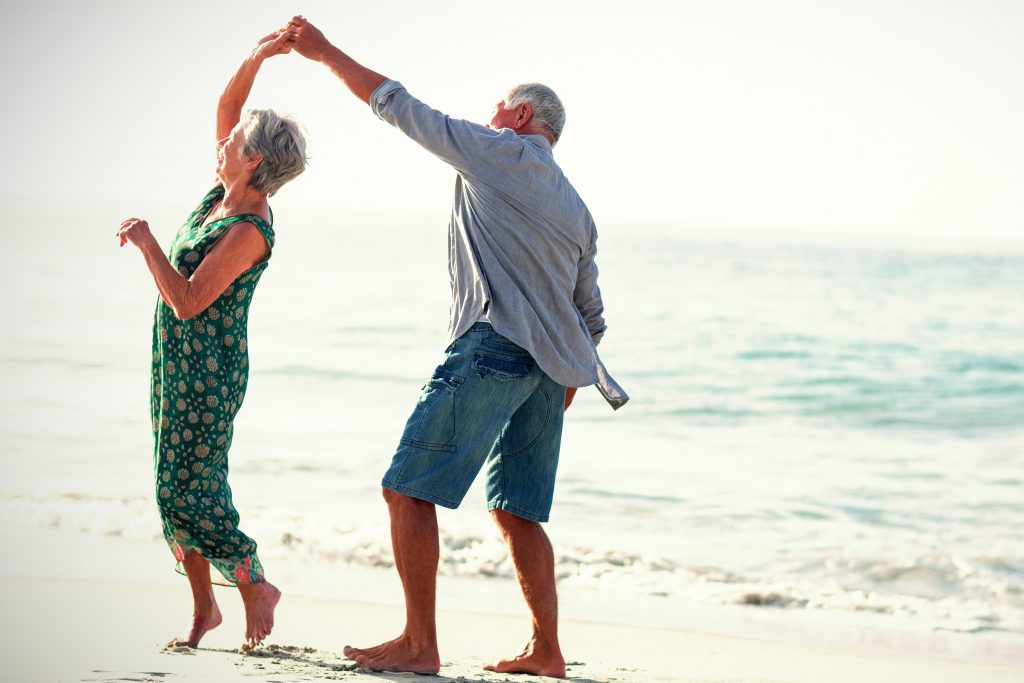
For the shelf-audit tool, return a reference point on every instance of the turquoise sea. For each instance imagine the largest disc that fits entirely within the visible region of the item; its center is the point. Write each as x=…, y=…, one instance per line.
x=823, y=429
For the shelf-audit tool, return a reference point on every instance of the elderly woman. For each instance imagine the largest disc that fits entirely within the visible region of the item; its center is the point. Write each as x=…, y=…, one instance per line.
x=200, y=362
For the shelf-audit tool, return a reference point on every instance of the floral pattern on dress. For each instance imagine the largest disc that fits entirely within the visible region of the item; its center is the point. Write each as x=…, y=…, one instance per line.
x=199, y=374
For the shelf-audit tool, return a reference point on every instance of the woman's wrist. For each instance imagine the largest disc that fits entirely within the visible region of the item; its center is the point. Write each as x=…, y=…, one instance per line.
x=149, y=246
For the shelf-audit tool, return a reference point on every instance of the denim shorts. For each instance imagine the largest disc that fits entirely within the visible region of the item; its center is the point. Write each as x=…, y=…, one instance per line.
x=488, y=403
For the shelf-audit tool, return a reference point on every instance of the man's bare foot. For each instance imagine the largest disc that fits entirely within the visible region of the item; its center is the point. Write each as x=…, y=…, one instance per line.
x=203, y=621
x=260, y=599
x=536, y=659
x=399, y=654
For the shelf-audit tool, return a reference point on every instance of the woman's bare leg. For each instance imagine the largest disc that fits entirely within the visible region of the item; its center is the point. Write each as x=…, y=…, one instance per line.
x=205, y=613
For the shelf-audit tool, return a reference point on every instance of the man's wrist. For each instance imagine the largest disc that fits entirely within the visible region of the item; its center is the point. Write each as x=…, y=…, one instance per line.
x=328, y=54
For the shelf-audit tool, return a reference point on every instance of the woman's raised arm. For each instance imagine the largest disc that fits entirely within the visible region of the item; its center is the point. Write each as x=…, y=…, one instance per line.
x=236, y=92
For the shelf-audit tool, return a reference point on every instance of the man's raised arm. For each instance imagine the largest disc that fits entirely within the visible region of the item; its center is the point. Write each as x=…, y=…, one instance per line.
x=459, y=143
x=310, y=42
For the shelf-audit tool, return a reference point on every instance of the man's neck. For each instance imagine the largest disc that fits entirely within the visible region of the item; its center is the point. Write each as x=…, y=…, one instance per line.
x=530, y=129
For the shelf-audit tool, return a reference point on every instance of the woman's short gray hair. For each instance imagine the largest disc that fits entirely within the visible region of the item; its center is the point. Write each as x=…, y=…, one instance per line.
x=282, y=144
x=548, y=112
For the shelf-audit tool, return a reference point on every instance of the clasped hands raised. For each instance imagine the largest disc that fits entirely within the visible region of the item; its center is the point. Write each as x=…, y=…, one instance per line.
x=297, y=34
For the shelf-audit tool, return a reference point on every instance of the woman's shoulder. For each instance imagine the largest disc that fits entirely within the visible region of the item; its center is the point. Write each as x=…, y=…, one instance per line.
x=248, y=232
x=263, y=225
x=261, y=217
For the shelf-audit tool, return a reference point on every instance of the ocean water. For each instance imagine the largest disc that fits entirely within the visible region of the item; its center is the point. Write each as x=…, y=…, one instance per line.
x=832, y=430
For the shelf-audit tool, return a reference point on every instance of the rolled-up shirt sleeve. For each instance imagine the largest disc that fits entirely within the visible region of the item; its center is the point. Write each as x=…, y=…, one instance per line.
x=455, y=141
x=587, y=295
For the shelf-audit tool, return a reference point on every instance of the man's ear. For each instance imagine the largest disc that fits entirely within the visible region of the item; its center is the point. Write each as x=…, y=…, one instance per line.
x=524, y=115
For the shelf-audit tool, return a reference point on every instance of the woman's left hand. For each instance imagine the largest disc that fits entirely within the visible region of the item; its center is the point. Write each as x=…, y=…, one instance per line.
x=276, y=43
x=134, y=230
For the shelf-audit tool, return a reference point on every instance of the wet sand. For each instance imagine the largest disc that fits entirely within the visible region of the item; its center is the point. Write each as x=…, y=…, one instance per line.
x=58, y=629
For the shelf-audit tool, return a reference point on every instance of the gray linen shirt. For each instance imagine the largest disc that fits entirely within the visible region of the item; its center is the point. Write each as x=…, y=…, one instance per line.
x=521, y=242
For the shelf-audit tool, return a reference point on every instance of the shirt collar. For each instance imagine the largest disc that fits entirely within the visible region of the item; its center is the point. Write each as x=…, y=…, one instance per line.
x=538, y=140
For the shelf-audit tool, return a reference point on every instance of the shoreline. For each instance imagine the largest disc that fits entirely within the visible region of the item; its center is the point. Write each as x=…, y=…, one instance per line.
x=105, y=611
x=76, y=629
x=57, y=577
x=86, y=533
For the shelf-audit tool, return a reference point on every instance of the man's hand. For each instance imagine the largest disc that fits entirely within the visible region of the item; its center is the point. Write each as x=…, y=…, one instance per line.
x=276, y=43
x=309, y=42
x=570, y=394
x=307, y=39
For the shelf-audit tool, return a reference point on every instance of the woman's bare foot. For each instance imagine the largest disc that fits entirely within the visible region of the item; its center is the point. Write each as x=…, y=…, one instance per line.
x=260, y=599
x=400, y=654
x=203, y=620
x=536, y=659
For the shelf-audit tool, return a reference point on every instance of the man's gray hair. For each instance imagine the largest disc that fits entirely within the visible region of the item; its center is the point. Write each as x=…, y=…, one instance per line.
x=282, y=144
x=548, y=112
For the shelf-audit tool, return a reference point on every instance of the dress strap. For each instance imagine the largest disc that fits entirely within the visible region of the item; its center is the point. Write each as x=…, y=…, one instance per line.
x=260, y=222
x=207, y=202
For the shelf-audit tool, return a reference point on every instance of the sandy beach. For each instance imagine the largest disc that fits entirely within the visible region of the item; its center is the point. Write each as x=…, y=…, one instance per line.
x=114, y=631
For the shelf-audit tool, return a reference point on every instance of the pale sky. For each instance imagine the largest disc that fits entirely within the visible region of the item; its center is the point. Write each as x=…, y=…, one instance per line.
x=837, y=118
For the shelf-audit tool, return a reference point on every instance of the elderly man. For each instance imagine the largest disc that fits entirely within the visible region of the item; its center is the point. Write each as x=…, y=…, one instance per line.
x=525, y=319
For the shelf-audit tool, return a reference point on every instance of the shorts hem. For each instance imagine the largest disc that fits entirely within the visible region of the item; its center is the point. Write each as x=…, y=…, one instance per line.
x=518, y=512
x=421, y=495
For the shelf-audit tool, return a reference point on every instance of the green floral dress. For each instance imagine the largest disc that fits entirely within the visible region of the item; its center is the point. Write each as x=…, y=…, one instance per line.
x=200, y=368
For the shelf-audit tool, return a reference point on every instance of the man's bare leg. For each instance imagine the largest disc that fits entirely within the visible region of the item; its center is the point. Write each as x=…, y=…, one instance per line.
x=205, y=613
x=259, y=599
x=535, y=567
x=415, y=542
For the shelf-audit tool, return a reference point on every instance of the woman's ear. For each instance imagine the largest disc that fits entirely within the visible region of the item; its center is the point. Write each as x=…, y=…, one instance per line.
x=252, y=162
